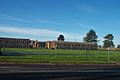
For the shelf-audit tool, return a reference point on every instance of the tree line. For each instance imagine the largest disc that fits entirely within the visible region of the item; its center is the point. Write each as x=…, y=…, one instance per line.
x=92, y=37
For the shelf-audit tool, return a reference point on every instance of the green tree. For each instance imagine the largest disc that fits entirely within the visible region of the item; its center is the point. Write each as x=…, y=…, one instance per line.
x=91, y=36
x=61, y=38
x=118, y=46
x=108, y=42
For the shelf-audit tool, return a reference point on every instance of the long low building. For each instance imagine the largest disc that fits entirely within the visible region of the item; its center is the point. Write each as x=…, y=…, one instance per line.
x=27, y=43
x=70, y=45
x=20, y=43
x=14, y=42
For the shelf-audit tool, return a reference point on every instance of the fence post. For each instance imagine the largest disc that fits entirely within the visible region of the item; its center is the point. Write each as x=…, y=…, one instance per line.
x=108, y=54
x=99, y=52
x=86, y=52
x=0, y=51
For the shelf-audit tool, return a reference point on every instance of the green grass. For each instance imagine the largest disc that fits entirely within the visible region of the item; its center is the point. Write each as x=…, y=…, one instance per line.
x=26, y=55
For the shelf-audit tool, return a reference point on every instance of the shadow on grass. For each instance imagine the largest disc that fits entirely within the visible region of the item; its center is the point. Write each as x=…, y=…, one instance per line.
x=13, y=54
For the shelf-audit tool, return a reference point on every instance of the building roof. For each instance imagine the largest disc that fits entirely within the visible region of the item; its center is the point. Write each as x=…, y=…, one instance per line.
x=13, y=38
x=72, y=42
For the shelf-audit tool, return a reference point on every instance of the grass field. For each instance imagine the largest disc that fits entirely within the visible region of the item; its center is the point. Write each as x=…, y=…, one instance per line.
x=26, y=55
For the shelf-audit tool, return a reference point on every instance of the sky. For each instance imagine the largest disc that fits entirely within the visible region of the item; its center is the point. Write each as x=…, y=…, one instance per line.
x=45, y=20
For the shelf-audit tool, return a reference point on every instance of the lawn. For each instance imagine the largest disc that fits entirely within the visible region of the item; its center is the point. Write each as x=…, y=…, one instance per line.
x=26, y=55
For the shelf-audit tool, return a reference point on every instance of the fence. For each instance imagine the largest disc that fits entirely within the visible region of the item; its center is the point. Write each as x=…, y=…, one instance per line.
x=26, y=55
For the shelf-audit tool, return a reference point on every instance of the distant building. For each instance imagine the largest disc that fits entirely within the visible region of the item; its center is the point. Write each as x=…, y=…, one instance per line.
x=51, y=45
x=42, y=44
x=27, y=43
x=14, y=43
x=20, y=43
x=34, y=44
x=70, y=45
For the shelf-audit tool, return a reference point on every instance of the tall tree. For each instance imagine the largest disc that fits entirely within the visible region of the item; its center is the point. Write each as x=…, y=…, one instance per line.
x=91, y=36
x=61, y=38
x=108, y=42
x=118, y=46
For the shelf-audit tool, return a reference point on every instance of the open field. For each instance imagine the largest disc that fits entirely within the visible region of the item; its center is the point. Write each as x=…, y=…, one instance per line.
x=26, y=55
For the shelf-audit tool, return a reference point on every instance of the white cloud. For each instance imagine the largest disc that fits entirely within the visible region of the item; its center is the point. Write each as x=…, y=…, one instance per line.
x=87, y=8
x=46, y=21
x=86, y=26
x=4, y=16
x=40, y=32
x=30, y=20
x=28, y=31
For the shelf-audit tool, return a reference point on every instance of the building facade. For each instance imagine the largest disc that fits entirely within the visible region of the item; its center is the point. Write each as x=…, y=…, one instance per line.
x=51, y=45
x=27, y=43
x=70, y=45
x=42, y=44
x=34, y=44
x=20, y=43
x=14, y=43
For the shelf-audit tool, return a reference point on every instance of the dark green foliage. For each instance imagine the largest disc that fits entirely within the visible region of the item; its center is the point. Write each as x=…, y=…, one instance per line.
x=109, y=37
x=108, y=42
x=61, y=38
x=99, y=46
x=118, y=46
x=91, y=36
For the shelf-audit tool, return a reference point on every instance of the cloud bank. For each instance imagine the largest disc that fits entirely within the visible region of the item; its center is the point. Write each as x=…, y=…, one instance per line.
x=39, y=32
x=30, y=20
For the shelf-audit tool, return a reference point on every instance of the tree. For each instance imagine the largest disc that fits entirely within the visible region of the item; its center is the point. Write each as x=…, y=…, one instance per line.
x=118, y=46
x=91, y=36
x=61, y=38
x=108, y=42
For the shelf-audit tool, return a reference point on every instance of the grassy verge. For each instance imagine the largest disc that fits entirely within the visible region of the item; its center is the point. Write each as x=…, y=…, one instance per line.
x=22, y=55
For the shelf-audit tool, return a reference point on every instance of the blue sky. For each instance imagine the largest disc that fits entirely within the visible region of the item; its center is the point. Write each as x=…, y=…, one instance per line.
x=44, y=20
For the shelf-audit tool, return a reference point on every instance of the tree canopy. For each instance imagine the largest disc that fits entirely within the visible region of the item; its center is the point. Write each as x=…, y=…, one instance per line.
x=91, y=36
x=61, y=38
x=118, y=46
x=108, y=42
